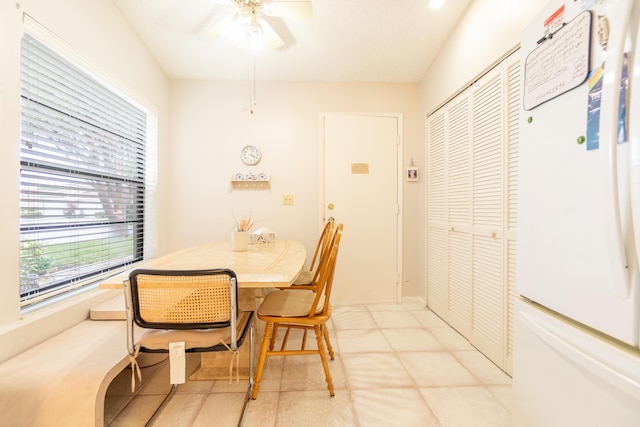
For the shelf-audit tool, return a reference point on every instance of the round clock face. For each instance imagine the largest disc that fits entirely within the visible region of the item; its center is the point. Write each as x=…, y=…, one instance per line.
x=250, y=155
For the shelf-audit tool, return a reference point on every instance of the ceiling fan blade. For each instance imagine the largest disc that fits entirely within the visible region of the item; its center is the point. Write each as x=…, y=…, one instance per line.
x=288, y=9
x=219, y=26
x=271, y=39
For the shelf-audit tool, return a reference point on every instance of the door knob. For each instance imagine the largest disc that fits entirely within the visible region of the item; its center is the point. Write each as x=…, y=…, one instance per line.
x=330, y=206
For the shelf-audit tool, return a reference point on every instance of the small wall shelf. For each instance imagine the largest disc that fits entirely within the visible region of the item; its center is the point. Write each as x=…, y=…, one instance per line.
x=250, y=180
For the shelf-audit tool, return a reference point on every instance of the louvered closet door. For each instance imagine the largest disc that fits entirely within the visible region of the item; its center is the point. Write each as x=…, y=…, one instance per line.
x=449, y=232
x=472, y=149
x=437, y=246
x=512, y=65
x=487, y=200
x=459, y=208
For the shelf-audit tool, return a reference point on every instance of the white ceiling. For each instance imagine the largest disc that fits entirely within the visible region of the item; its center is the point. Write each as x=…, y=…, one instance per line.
x=345, y=40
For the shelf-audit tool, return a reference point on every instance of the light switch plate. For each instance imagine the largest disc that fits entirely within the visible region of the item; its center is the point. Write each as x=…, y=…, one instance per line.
x=287, y=199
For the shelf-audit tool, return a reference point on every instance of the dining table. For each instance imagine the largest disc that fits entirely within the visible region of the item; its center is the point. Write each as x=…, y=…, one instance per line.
x=260, y=267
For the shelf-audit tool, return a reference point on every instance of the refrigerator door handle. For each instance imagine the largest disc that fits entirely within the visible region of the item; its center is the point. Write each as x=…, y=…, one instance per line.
x=568, y=346
x=634, y=151
x=609, y=141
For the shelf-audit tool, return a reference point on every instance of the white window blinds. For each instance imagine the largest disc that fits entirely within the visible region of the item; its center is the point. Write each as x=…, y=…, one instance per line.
x=82, y=176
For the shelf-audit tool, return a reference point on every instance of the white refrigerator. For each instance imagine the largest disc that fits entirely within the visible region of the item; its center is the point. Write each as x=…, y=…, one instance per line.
x=576, y=355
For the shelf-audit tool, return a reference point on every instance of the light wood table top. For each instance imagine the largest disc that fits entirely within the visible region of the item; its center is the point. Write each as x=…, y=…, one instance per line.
x=261, y=266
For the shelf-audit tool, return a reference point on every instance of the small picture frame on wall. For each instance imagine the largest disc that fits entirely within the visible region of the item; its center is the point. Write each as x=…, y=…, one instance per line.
x=412, y=174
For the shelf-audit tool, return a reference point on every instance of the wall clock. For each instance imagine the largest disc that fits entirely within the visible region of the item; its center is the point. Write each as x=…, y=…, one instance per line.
x=250, y=155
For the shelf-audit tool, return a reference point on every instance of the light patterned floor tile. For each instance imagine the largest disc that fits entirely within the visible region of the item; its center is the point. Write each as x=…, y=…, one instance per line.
x=353, y=320
x=395, y=319
x=306, y=373
x=226, y=386
x=262, y=411
x=361, y=341
x=482, y=368
x=401, y=407
x=338, y=308
x=272, y=374
x=431, y=369
x=181, y=411
x=414, y=339
x=429, y=319
x=414, y=306
x=451, y=339
x=466, y=406
x=315, y=409
x=385, y=307
x=375, y=370
x=220, y=409
x=503, y=394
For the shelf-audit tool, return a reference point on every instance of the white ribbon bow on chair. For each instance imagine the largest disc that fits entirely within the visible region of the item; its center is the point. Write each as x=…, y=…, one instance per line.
x=135, y=368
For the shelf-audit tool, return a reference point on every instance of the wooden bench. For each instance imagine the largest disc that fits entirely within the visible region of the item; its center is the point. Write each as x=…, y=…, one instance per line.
x=63, y=381
x=112, y=309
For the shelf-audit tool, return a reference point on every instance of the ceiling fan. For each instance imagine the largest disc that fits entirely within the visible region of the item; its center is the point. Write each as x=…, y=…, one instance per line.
x=246, y=26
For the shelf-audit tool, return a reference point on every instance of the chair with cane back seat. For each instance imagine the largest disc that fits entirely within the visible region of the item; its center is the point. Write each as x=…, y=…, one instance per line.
x=196, y=307
x=301, y=309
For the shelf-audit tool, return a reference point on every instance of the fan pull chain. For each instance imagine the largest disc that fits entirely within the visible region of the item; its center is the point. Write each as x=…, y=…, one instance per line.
x=252, y=91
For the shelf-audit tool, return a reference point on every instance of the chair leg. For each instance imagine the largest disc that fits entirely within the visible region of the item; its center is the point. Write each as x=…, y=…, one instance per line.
x=164, y=403
x=273, y=337
x=252, y=355
x=266, y=341
x=325, y=332
x=251, y=374
x=323, y=357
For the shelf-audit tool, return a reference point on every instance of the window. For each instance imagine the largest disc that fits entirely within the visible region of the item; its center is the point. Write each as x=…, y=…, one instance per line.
x=82, y=176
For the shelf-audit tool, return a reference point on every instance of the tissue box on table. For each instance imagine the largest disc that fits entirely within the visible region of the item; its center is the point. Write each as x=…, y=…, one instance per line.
x=262, y=235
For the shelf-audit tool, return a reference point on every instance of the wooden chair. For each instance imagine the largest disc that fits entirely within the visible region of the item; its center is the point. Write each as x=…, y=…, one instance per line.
x=306, y=277
x=308, y=280
x=302, y=309
x=196, y=307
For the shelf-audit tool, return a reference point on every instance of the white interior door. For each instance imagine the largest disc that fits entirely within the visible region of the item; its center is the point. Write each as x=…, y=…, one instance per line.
x=360, y=190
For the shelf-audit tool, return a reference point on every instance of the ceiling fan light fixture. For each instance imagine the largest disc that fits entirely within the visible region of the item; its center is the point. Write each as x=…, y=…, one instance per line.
x=231, y=26
x=254, y=30
x=246, y=27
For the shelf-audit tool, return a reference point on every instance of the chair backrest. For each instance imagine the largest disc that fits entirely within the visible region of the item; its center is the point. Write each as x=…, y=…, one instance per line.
x=323, y=242
x=323, y=279
x=183, y=299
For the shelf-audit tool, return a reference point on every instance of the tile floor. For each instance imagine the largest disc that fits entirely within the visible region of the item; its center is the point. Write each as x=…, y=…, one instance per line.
x=395, y=365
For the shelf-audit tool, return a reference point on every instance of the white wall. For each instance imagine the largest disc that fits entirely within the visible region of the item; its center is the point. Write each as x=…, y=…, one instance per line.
x=96, y=31
x=210, y=123
x=488, y=30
